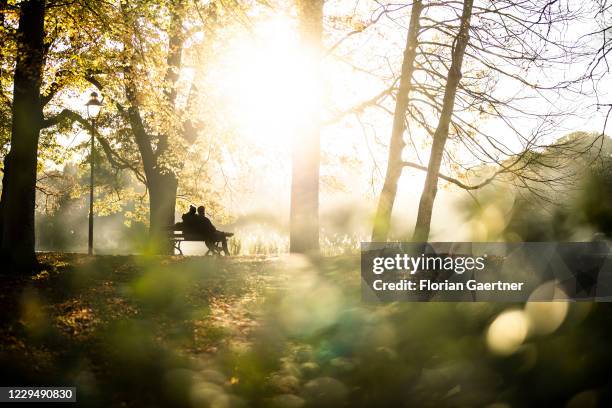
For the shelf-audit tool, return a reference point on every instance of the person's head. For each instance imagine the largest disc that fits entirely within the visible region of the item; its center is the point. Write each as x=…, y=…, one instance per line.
x=192, y=209
x=201, y=210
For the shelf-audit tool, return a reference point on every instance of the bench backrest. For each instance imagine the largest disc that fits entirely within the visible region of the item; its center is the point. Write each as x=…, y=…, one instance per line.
x=176, y=231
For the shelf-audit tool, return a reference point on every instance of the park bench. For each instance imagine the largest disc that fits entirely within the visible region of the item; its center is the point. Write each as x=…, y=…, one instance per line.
x=178, y=236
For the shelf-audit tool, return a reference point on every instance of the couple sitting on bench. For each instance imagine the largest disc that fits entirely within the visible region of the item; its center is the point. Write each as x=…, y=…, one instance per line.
x=199, y=227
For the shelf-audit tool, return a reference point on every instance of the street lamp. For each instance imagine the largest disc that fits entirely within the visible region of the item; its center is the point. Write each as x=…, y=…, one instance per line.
x=93, y=110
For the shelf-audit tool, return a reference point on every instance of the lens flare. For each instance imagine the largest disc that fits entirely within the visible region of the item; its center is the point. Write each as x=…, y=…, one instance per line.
x=507, y=332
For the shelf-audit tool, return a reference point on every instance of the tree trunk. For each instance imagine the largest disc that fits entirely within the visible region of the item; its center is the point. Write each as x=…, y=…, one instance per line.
x=162, y=204
x=19, y=181
x=423, y=223
x=3, y=10
x=306, y=155
x=382, y=221
x=162, y=182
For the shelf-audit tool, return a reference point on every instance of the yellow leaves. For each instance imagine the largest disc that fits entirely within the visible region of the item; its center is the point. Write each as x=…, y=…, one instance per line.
x=76, y=317
x=44, y=275
x=359, y=25
x=106, y=207
x=78, y=321
x=60, y=264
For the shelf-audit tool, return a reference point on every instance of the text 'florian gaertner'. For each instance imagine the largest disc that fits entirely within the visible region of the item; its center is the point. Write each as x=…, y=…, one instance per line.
x=427, y=285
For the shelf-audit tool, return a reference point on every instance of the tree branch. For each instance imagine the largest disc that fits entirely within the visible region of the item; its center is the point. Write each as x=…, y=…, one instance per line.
x=454, y=180
x=375, y=100
x=114, y=159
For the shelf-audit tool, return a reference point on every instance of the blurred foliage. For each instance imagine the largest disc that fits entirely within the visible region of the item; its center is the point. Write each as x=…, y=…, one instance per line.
x=287, y=332
x=574, y=207
x=596, y=201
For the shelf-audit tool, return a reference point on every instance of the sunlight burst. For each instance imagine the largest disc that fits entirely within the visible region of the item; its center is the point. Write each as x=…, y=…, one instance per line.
x=273, y=86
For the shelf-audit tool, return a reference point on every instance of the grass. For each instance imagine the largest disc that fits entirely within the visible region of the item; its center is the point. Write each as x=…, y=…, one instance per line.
x=288, y=331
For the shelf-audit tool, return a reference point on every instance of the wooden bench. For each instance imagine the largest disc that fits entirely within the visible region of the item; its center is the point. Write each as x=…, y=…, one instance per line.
x=177, y=236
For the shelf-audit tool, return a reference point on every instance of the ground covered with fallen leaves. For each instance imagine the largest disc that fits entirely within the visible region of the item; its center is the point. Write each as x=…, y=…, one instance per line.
x=285, y=332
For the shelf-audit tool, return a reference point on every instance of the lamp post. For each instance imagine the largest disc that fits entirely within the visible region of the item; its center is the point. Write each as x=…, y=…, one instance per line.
x=93, y=109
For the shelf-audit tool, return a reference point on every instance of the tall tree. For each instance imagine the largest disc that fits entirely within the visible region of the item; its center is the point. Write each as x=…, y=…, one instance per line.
x=44, y=63
x=306, y=154
x=386, y=200
x=156, y=152
x=423, y=223
x=146, y=104
x=19, y=181
x=161, y=180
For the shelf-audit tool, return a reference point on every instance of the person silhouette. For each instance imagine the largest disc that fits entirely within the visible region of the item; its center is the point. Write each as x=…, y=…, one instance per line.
x=190, y=220
x=206, y=228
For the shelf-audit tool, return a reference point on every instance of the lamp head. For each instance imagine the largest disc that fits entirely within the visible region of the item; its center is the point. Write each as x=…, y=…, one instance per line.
x=93, y=105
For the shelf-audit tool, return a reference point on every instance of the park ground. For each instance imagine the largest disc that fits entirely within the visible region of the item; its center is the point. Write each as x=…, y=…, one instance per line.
x=285, y=331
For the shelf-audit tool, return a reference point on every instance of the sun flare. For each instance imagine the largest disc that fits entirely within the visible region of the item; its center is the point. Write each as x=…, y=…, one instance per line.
x=272, y=85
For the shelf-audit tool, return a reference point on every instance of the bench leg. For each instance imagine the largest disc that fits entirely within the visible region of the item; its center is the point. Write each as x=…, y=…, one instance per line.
x=177, y=245
x=213, y=250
